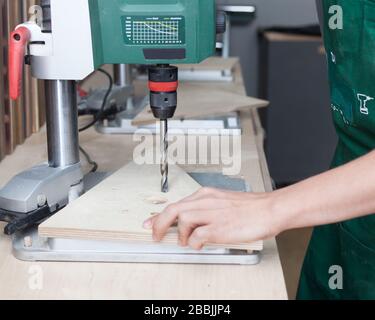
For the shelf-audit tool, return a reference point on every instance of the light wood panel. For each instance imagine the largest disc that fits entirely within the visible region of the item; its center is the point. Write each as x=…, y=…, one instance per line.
x=213, y=63
x=197, y=101
x=117, y=208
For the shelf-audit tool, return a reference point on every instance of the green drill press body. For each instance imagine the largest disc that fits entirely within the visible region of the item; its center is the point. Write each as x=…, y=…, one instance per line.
x=152, y=31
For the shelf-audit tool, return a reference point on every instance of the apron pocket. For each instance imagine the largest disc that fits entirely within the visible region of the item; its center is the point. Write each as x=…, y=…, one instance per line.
x=358, y=264
x=341, y=99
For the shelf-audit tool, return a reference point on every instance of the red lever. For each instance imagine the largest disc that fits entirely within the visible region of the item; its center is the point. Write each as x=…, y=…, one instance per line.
x=17, y=45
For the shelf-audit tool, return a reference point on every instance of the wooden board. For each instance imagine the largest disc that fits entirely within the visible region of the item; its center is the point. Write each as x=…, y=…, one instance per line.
x=213, y=63
x=117, y=208
x=197, y=101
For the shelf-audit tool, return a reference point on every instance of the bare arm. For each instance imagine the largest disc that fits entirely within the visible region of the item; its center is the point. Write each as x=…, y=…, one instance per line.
x=216, y=216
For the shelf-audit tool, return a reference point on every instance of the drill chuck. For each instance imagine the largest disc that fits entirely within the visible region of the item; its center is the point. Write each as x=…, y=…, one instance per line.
x=163, y=84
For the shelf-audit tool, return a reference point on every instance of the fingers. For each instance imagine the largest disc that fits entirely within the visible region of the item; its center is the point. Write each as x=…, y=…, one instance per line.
x=188, y=214
x=193, y=212
x=189, y=221
x=187, y=217
x=201, y=193
x=162, y=222
x=195, y=229
x=149, y=222
x=200, y=237
x=194, y=237
x=186, y=227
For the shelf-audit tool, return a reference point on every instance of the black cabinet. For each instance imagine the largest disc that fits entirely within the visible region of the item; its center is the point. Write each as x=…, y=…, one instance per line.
x=300, y=135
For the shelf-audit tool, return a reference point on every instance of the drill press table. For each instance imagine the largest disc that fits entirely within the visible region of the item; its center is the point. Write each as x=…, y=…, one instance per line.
x=141, y=281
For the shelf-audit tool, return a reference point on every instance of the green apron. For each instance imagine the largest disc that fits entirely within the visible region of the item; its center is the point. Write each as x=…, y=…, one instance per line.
x=351, y=244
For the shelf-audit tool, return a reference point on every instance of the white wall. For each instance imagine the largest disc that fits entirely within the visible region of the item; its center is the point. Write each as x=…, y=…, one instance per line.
x=269, y=13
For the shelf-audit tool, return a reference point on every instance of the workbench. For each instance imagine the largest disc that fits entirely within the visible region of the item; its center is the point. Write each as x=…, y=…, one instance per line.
x=58, y=280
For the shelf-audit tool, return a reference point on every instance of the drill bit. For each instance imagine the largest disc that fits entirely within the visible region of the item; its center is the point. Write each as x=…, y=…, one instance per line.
x=164, y=155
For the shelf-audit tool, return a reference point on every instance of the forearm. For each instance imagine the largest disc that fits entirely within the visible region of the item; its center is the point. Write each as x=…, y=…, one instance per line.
x=341, y=194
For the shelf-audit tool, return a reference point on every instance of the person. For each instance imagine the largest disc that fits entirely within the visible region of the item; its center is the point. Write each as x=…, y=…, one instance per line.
x=340, y=203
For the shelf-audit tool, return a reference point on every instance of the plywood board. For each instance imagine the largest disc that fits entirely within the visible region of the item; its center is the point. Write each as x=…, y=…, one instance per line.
x=213, y=63
x=198, y=101
x=117, y=208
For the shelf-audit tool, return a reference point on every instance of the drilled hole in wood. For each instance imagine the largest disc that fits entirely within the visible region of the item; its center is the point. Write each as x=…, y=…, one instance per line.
x=157, y=200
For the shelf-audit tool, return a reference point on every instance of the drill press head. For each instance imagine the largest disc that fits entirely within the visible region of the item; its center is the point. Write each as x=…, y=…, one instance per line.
x=85, y=34
x=153, y=31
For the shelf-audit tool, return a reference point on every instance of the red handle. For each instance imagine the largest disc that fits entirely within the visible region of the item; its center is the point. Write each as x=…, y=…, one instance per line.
x=17, y=45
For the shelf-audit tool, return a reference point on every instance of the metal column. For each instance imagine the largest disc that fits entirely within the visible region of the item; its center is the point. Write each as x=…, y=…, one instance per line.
x=244, y=12
x=62, y=123
x=226, y=38
x=123, y=75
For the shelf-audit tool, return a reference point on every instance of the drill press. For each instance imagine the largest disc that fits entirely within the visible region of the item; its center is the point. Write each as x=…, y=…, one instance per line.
x=76, y=38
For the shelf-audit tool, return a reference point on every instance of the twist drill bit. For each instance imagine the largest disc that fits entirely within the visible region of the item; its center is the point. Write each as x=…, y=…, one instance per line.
x=164, y=155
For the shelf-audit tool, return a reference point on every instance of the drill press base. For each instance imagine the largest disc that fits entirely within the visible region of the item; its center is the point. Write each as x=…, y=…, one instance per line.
x=28, y=246
x=227, y=125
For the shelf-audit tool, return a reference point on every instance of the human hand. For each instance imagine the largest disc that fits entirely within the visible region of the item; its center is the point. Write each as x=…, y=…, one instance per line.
x=217, y=217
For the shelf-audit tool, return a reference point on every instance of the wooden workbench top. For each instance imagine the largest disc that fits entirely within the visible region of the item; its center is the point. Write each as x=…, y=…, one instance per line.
x=63, y=280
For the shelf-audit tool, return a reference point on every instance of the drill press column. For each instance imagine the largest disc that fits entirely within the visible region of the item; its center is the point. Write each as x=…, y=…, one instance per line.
x=62, y=123
x=163, y=84
x=123, y=75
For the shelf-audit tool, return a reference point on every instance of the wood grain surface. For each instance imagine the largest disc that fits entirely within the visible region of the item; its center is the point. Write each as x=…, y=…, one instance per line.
x=117, y=207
